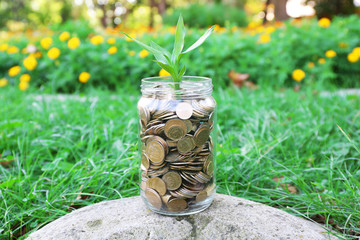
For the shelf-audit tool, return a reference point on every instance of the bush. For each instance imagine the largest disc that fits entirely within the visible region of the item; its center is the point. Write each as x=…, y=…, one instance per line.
x=269, y=54
x=202, y=16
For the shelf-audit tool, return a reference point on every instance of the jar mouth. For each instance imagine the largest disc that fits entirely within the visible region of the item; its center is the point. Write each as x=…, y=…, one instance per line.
x=190, y=86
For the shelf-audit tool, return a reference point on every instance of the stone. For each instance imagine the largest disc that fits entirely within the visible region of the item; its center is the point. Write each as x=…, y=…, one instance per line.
x=227, y=218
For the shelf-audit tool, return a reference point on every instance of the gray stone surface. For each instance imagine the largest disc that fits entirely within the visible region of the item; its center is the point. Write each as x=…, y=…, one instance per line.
x=227, y=218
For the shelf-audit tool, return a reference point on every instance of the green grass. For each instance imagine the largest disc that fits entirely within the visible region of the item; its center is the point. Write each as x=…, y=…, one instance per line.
x=59, y=150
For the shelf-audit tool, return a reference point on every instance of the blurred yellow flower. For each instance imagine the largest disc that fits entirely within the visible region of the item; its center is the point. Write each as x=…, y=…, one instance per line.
x=73, y=43
x=30, y=62
x=132, y=53
x=252, y=25
x=23, y=85
x=3, y=47
x=321, y=60
x=24, y=51
x=38, y=55
x=164, y=73
x=324, y=22
x=311, y=64
x=217, y=27
x=343, y=45
x=352, y=57
x=112, y=50
x=3, y=82
x=259, y=28
x=25, y=78
x=53, y=53
x=143, y=53
x=64, y=36
x=96, y=40
x=84, y=77
x=46, y=42
x=330, y=53
x=264, y=38
x=12, y=50
x=298, y=75
x=234, y=28
x=129, y=39
x=111, y=40
x=357, y=51
x=270, y=29
x=14, y=71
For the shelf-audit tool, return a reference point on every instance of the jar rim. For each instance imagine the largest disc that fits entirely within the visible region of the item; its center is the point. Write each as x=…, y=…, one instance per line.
x=168, y=79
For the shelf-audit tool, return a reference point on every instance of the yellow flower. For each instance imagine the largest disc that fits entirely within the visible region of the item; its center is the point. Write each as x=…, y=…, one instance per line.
x=73, y=43
x=164, y=73
x=311, y=64
x=96, y=40
x=356, y=51
x=53, y=53
x=84, y=77
x=330, y=53
x=30, y=62
x=324, y=22
x=352, y=57
x=264, y=38
x=3, y=47
x=298, y=75
x=321, y=60
x=64, y=36
x=3, y=82
x=217, y=28
x=111, y=40
x=270, y=29
x=343, y=45
x=143, y=53
x=25, y=78
x=129, y=39
x=23, y=86
x=38, y=55
x=132, y=53
x=12, y=50
x=112, y=50
x=46, y=42
x=14, y=71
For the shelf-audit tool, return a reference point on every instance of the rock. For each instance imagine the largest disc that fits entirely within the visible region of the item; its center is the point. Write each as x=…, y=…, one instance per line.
x=227, y=218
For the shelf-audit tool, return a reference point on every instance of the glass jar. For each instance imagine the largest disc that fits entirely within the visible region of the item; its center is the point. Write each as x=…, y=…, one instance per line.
x=177, y=144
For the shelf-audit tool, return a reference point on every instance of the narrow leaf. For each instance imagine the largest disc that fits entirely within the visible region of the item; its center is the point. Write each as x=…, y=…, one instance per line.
x=182, y=72
x=148, y=48
x=179, y=39
x=166, y=67
x=160, y=57
x=200, y=40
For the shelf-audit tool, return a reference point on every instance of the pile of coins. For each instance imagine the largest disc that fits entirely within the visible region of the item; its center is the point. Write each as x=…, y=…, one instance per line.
x=176, y=152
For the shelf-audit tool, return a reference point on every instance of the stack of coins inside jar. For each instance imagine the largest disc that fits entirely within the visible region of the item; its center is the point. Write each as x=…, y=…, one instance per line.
x=176, y=152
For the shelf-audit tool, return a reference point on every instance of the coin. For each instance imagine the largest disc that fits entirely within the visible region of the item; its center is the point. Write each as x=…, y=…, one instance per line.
x=172, y=180
x=177, y=205
x=145, y=161
x=155, y=151
x=185, y=144
x=201, y=196
x=201, y=135
x=157, y=184
x=153, y=197
x=188, y=125
x=175, y=129
x=184, y=110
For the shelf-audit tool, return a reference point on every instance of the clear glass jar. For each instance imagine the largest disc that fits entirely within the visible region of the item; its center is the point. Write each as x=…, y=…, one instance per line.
x=177, y=144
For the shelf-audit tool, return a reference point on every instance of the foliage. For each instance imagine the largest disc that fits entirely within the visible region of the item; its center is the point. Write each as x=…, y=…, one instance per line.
x=269, y=54
x=59, y=153
x=171, y=63
x=330, y=8
x=203, y=16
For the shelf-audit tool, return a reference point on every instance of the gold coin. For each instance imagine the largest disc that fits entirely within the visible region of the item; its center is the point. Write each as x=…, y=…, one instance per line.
x=172, y=180
x=145, y=161
x=184, y=110
x=188, y=125
x=155, y=151
x=157, y=184
x=166, y=198
x=209, y=170
x=175, y=129
x=153, y=197
x=185, y=144
x=201, y=135
x=177, y=205
x=201, y=196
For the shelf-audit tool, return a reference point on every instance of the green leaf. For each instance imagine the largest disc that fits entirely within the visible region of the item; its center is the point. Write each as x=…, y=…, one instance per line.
x=179, y=39
x=168, y=68
x=200, y=40
x=150, y=49
x=160, y=57
x=182, y=72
